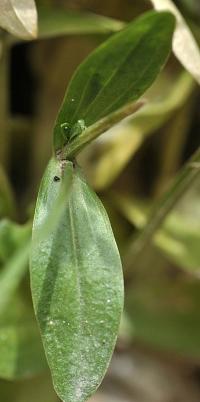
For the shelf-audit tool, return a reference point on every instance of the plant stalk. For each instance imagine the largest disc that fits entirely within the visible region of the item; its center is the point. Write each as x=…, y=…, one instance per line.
x=94, y=131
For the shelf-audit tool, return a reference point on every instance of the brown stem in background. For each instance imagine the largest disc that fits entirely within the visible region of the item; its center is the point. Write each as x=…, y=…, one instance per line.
x=4, y=76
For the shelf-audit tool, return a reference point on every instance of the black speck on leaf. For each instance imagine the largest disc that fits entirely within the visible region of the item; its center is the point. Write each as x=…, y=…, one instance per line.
x=56, y=178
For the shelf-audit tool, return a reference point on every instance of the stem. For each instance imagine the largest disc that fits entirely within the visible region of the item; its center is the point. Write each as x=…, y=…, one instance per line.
x=173, y=141
x=4, y=142
x=92, y=132
x=182, y=182
x=7, y=200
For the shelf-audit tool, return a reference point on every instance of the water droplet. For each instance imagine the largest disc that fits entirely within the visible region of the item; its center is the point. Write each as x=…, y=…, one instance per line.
x=108, y=301
x=65, y=127
x=51, y=322
x=72, y=99
x=102, y=321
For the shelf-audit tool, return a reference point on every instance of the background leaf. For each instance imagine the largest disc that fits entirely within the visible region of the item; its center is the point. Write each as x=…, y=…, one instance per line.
x=19, y=17
x=13, y=272
x=55, y=21
x=183, y=181
x=179, y=236
x=20, y=345
x=165, y=314
x=7, y=201
x=104, y=82
x=12, y=237
x=38, y=388
x=184, y=44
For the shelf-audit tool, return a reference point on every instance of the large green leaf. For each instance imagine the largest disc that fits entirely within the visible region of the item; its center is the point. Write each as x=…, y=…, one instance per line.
x=117, y=72
x=77, y=286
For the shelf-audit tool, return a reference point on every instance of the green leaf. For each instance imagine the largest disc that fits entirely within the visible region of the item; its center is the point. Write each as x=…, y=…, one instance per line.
x=56, y=21
x=117, y=72
x=19, y=17
x=77, y=285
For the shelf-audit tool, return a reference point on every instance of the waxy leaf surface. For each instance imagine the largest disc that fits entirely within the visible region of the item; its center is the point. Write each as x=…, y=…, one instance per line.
x=77, y=286
x=117, y=72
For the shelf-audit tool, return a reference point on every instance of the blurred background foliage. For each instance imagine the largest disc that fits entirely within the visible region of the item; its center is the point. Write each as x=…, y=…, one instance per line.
x=157, y=358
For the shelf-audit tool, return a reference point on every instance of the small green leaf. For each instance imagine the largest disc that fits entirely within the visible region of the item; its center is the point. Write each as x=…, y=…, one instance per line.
x=117, y=72
x=77, y=285
x=56, y=21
